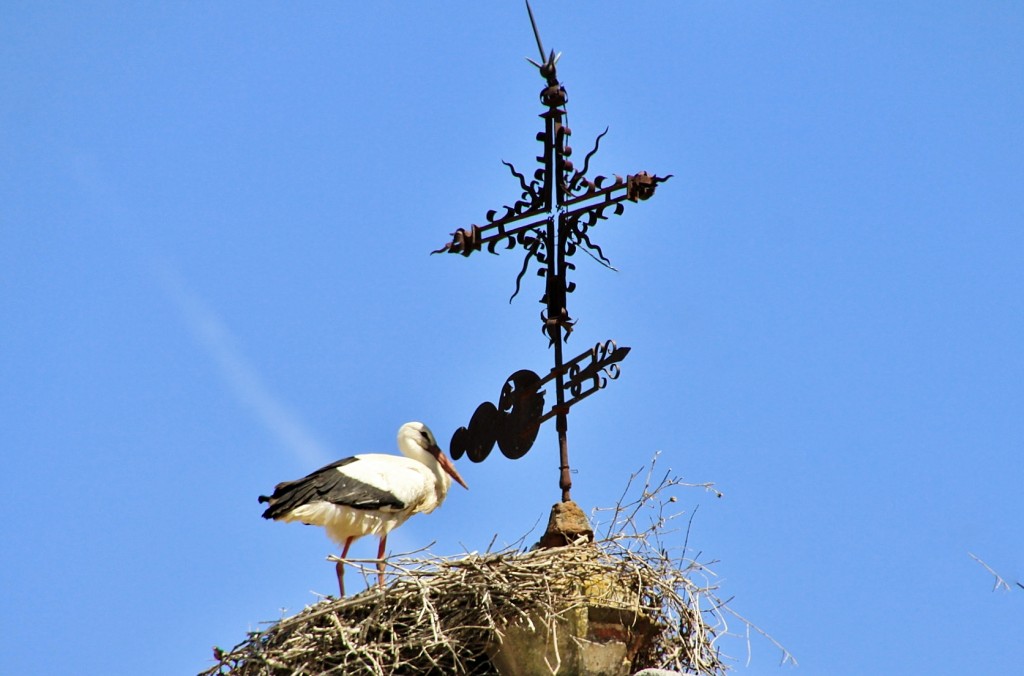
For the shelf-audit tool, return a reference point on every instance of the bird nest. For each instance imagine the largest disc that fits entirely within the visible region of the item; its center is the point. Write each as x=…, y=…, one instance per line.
x=450, y=615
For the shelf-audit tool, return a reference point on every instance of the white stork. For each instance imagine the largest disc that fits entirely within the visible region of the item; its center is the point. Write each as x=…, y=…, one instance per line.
x=368, y=494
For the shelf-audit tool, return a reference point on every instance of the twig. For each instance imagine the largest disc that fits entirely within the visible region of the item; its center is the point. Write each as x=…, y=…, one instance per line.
x=1000, y=582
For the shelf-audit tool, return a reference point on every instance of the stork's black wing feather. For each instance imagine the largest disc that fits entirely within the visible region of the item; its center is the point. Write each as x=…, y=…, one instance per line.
x=327, y=484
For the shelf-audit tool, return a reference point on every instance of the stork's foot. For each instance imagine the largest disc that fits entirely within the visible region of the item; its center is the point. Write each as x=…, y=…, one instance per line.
x=380, y=561
x=340, y=567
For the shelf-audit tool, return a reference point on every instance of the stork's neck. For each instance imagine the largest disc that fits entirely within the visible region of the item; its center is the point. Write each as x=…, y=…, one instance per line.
x=414, y=451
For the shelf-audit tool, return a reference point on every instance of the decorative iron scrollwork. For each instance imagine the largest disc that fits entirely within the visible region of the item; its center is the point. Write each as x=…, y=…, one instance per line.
x=550, y=222
x=521, y=406
x=514, y=423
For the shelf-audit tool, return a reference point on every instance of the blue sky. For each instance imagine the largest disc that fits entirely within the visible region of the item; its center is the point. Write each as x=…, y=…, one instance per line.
x=214, y=276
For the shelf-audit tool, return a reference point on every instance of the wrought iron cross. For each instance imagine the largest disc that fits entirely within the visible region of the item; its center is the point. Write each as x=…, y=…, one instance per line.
x=551, y=222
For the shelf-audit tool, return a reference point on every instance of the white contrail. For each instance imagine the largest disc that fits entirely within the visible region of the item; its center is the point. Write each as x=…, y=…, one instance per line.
x=206, y=327
x=216, y=340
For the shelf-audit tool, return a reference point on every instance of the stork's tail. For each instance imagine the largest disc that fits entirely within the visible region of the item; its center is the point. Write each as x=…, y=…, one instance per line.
x=269, y=513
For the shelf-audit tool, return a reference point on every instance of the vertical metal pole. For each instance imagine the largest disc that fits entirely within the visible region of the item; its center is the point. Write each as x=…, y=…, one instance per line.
x=561, y=420
x=557, y=286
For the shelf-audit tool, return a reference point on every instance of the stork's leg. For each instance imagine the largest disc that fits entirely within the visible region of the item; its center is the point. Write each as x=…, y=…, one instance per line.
x=380, y=561
x=340, y=567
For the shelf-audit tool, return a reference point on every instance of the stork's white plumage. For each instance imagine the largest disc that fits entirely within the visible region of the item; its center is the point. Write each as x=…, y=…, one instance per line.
x=369, y=494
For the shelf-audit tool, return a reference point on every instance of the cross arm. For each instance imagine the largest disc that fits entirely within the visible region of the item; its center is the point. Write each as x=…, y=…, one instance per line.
x=465, y=242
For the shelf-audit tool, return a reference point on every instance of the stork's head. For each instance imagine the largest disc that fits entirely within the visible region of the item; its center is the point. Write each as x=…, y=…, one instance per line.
x=416, y=441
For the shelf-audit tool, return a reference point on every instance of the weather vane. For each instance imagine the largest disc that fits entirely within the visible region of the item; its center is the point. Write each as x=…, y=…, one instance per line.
x=550, y=221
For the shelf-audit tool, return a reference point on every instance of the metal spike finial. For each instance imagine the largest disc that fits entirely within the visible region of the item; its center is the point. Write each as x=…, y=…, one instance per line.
x=536, y=34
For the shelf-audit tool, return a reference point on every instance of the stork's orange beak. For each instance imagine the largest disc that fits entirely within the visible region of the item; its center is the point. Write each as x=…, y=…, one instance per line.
x=448, y=467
